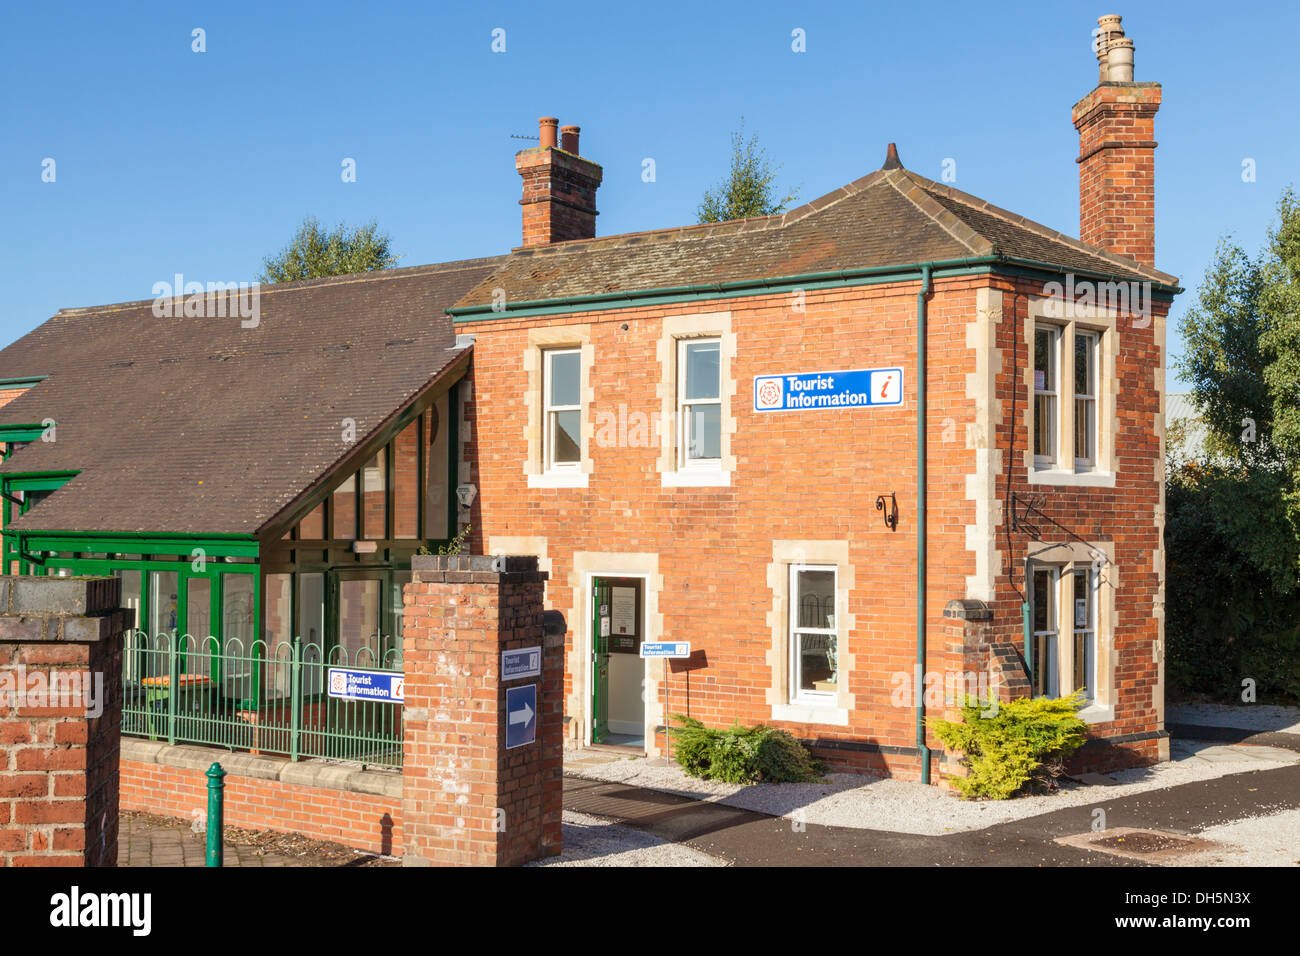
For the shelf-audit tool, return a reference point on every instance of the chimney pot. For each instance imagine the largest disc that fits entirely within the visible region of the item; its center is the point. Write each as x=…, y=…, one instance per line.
x=891, y=158
x=546, y=128
x=1119, y=61
x=569, y=139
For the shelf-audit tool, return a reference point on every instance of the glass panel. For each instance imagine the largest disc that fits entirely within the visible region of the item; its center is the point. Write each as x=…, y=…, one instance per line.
x=406, y=487
x=237, y=635
x=1044, y=360
x=198, y=611
x=311, y=630
x=703, y=370
x=566, y=378
x=705, y=429
x=374, y=477
x=816, y=607
x=1042, y=601
x=345, y=510
x=359, y=623
x=395, y=626
x=276, y=672
x=312, y=527
x=162, y=602
x=1084, y=427
x=1046, y=666
x=566, y=437
x=1083, y=358
x=1045, y=426
x=131, y=599
x=435, y=472
x=817, y=663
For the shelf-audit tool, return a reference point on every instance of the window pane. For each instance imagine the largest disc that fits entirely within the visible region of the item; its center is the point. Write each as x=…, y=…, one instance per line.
x=1042, y=601
x=278, y=654
x=702, y=370
x=817, y=663
x=374, y=475
x=1045, y=666
x=312, y=526
x=566, y=437
x=237, y=612
x=198, y=611
x=1044, y=360
x=1083, y=601
x=406, y=488
x=162, y=602
x=1083, y=362
x=311, y=630
x=1045, y=426
x=816, y=599
x=705, y=429
x=436, y=467
x=566, y=378
x=345, y=509
x=1084, y=427
x=359, y=624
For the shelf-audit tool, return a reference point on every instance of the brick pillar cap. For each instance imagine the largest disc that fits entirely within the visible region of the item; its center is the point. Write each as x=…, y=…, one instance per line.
x=968, y=610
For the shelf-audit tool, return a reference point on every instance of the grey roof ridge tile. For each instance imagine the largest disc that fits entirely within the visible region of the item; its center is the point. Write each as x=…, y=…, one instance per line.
x=902, y=180
x=1046, y=232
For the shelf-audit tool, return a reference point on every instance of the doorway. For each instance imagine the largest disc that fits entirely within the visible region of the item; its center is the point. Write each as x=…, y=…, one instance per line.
x=617, y=671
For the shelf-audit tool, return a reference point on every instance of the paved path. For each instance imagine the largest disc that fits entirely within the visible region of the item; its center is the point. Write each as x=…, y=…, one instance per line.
x=150, y=843
x=748, y=838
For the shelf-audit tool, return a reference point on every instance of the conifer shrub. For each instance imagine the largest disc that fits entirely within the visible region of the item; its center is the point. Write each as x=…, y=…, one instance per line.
x=1020, y=748
x=742, y=754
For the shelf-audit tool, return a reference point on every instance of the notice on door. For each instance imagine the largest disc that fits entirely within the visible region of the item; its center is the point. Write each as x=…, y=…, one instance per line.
x=624, y=606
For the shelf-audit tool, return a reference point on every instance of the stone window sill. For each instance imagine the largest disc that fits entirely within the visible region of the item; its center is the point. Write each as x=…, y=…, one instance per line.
x=811, y=714
x=1079, y=479
x=1096, y=713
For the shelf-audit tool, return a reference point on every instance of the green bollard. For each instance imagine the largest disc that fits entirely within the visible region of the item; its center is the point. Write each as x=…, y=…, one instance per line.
x=216, y=814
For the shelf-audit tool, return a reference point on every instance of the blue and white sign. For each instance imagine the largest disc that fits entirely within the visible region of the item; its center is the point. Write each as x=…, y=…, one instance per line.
x=822, y=391
x=521, y=715
x=523, y=662
x=350, y=683
x=666, y=649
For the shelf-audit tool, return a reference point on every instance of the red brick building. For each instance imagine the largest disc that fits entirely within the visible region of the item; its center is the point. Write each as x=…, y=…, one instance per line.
x=894, y=437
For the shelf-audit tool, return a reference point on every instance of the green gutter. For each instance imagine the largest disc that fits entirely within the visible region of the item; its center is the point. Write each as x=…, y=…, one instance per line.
x=922, y=360
x=938, y=268
x=23, y=382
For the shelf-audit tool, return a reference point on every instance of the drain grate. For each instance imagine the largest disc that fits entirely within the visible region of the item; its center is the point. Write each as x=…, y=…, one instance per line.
x=1144, y=841
x=1152, y=846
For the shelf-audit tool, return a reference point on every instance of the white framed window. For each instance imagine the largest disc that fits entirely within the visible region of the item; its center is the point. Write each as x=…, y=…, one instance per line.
x=814, y=643
x=699, y=403
x=1047, y=363
x=1085, y=400
x=1044, y=620
x=562, y=409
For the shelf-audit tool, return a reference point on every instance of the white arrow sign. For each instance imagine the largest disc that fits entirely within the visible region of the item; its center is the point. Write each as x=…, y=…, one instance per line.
x=521, y=716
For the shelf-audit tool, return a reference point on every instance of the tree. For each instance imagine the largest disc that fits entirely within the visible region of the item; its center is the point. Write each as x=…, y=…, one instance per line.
x=1232, y=530
x=748, y=190
x=314, y=253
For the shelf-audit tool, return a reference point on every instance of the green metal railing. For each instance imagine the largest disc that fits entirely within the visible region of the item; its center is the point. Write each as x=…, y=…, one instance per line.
x=263, y=699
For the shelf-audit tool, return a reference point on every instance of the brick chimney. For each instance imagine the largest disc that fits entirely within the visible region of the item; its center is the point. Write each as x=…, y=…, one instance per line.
x=559, y=187
x=1116, y=124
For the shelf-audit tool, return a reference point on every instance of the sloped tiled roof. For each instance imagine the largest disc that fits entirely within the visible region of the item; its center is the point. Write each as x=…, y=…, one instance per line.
x=199, y=425
x=890, y=217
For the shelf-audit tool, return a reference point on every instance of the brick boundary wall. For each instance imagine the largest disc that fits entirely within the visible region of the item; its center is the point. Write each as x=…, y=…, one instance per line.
x=468, y=799
x=357, y=808
x=58, y=759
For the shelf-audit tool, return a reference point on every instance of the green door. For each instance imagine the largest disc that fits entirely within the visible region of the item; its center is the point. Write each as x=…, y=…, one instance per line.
x=600, y=629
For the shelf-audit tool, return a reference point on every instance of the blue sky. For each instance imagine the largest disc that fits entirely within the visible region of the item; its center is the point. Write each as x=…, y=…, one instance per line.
x=173, y=161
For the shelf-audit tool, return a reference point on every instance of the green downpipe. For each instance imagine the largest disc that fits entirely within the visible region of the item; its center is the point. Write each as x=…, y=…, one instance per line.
x=922, y=359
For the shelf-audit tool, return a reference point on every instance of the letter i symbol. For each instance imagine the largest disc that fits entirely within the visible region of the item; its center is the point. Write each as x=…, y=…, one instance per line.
x=884, y=389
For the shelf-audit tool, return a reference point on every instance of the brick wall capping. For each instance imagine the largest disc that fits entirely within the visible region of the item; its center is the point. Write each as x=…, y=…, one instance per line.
x=968, y=610
x=302, y=773
x=80, y=596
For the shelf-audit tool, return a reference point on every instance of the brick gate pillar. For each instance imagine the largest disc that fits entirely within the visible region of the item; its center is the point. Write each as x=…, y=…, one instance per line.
x=468, y=796
x=60, y=720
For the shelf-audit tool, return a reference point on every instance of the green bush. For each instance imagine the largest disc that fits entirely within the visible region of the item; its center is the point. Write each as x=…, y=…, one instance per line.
x=742, y=754
x=1021, y=746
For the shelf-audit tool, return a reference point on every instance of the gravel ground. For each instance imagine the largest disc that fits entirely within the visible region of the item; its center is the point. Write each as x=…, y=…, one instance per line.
x=1257, y=717
x=852, y=800
x=1272, y=840
x=591, y=841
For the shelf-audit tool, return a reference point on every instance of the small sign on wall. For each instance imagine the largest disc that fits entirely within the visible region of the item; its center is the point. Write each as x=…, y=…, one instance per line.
x=828, y=391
